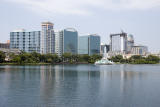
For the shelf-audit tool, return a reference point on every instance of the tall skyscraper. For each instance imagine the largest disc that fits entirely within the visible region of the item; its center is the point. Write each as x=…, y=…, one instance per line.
x=119, y=43
x=25, y=41
x=66, y=41
x=47, y=38
x=59, y=42
x=130, y=43
x=89, y=44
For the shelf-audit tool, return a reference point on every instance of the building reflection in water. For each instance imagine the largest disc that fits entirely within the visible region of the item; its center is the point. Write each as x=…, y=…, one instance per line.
x=63, y=83
x=47, y=83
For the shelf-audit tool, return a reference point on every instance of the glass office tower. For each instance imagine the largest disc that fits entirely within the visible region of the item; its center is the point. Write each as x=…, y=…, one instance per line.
x=66, y=41
x=89, y=44
x=83, y=45
x=25, y=41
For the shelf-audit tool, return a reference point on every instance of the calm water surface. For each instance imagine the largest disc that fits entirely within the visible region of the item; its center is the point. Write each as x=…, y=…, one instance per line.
x=80, y=86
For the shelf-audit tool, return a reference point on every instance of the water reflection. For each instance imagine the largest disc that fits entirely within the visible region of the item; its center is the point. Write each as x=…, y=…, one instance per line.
x=75, y=85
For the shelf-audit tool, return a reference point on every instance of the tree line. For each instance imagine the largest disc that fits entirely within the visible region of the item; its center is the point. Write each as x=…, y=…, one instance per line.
x=34, y=57
x=136, y=59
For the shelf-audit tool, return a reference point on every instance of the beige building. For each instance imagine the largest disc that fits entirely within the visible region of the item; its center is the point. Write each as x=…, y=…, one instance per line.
x=5, y=45
x=139, y=50
x=47, y=38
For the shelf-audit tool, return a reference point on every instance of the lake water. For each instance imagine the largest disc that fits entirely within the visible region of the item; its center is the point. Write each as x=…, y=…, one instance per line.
x=80, y=86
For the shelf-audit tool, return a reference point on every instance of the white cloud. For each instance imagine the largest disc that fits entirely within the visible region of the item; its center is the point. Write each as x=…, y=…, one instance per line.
x=83, y=7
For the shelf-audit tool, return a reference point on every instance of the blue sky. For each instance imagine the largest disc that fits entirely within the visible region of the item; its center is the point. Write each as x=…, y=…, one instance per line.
x=138, y=17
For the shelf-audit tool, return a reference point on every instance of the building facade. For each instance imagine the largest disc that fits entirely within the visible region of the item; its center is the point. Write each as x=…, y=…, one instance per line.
x=25, y=41
x=139, y=50
x=47, y=38
x=59, y=43
x=130, y=43
x=83, y=45
x=5, y=45
x=89, y=44
x=118, y=43
x=66, y=41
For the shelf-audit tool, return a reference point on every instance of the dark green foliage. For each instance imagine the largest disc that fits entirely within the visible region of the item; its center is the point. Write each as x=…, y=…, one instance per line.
x=94, y=57
x=85, y=58
x=2, y=56
x=153, y=59
x=34, y=57
x=137, y=59
x=67, y=57
x=118, y=58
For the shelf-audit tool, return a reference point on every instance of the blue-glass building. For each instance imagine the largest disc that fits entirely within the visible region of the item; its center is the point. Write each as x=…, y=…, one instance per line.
x=83, y=45
x=70, y=41
x=89, y=44
x=25, y=41
x=66, y=41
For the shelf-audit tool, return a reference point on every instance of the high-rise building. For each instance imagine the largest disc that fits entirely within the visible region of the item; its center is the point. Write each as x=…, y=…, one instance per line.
x=25, y=41
x=83, y=45
x=89, y=44
x=47, y=38
x=139, y=50
x=119, y=43
x=66, y=41
x=59, y=42
x=130, y=43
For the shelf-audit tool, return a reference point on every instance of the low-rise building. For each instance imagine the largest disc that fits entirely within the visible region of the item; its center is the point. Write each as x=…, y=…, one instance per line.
x=139, y=50
x=8, y=52
x=5, y=45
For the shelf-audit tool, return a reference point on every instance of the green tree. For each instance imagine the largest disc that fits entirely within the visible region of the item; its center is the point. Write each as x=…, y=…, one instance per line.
x=67, y=57
x=76, y=58
x=55, y=58
x=94, y=58
x=36, y=57
x=85, y=58
x=152, y=59
x=16, y=59
x=2, y=56
x=117, y=58
x=43, y=58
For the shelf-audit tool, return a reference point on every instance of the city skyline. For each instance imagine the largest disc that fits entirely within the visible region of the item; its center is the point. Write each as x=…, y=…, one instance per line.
x=139, y=18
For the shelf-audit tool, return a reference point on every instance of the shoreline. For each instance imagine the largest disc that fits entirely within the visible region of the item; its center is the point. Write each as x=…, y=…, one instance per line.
x=69, y=64
x=43, y=63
